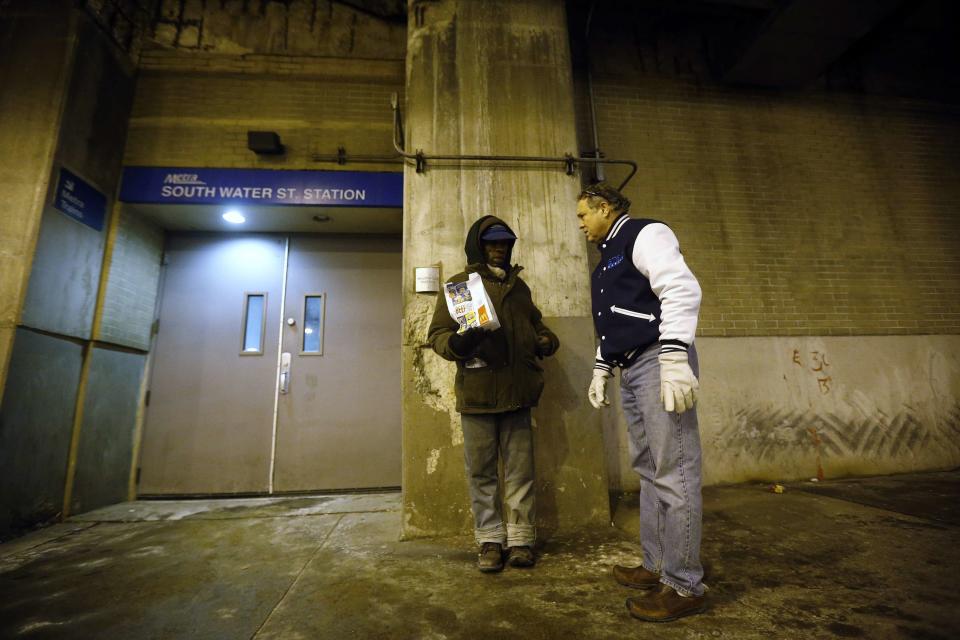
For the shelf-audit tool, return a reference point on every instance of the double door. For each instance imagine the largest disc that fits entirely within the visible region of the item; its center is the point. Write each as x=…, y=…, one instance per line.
x=276, y=366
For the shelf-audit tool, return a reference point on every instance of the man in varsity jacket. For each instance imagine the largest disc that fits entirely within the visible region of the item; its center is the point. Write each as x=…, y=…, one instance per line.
x=645, y=306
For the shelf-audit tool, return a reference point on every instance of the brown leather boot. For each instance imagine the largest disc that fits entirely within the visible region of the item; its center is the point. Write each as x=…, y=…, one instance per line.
x=665, y=604
x=636, y=577
x=521, y=557
x=490, y=558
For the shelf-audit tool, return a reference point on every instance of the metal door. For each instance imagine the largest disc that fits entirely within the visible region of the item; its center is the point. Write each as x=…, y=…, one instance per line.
x=236, y=409
x=210, y=419
x=338, y=421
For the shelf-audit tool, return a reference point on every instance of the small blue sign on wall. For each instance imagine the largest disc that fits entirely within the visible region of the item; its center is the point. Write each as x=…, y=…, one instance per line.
x=80, y=201
x=186, y=185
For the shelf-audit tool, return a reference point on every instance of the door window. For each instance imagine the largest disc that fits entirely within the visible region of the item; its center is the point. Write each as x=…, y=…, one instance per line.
x=313, y=312
x=254, y=318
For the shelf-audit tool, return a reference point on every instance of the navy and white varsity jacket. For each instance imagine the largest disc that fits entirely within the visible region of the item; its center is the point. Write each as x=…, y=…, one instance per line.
x=643, y=292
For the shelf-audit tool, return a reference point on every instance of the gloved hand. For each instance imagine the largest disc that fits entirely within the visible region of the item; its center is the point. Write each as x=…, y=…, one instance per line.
x=678, y=385
x=464, y=343
x=597, y=393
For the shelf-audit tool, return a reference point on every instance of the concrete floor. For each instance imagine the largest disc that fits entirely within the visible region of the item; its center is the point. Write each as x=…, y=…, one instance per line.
x=867, y=558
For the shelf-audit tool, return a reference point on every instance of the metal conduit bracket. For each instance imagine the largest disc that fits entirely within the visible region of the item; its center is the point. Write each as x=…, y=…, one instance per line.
x=420, y=158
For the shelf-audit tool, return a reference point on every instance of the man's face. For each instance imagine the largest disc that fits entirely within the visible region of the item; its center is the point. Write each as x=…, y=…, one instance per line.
x=495, y=252
x=594, y=223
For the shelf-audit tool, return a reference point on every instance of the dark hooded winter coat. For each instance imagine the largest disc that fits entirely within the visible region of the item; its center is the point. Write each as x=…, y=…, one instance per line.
x=513, y=377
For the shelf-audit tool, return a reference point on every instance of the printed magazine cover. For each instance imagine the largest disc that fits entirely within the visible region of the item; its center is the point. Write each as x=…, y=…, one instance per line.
x=469, y=304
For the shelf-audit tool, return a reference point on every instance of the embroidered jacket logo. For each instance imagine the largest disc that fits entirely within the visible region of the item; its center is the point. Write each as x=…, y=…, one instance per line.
x=614, y=261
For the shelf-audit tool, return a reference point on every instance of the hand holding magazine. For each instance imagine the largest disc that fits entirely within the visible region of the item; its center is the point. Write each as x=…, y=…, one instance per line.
x=470, y=305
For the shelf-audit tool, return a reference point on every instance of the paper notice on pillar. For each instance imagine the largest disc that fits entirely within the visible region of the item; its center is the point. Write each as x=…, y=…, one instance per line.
x=470, y=305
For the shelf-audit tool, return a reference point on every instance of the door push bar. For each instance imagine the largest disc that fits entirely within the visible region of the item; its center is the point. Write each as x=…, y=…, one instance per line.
x=284, y=373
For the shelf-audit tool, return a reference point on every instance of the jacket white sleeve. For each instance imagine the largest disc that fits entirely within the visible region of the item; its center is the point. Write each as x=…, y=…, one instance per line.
x=656, y=254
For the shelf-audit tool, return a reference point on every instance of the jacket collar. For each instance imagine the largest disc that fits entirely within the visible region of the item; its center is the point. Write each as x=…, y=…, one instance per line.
x=616, y=226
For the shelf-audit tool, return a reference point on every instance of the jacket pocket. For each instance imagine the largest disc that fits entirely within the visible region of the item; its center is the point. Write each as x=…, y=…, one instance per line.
x=479, y=390
x=531, y=383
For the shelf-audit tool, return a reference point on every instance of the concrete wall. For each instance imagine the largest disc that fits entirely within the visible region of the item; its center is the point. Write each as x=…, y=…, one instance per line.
x=320, y=74
x=794, y=408
x=35, y=55
x=187, y=113
x=54, y=357
x=494, y=78
x=805, y=214
x=280, y=27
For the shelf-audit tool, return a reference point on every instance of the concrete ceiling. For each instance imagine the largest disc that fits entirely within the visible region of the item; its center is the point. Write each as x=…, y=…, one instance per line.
x=390, y=10
x=289, y=219
x=801, y=39
x=901, y=47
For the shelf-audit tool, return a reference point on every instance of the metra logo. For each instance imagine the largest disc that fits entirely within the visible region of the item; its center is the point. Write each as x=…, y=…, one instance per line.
x=183, y=178
x=614, y=261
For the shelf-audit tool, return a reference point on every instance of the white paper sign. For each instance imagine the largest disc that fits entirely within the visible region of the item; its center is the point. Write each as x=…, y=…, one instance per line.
x=427, y=279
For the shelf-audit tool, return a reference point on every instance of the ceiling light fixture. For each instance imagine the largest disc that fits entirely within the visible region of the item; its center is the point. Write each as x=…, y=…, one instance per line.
x=234, y=217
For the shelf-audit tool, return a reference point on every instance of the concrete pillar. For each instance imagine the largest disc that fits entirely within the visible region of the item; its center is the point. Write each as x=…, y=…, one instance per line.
x=495, y=78
x=36, y=45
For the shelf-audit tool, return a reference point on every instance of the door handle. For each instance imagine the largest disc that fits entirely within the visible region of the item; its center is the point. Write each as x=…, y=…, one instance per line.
x=284, y=373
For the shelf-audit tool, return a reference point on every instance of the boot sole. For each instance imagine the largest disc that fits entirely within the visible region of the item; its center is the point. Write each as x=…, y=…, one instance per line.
x=491, y=569
x=688, y=612
x=521, y=565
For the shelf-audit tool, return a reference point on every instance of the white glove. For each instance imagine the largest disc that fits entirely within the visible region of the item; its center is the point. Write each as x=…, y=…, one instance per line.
x=598, y=389
x=678, y=385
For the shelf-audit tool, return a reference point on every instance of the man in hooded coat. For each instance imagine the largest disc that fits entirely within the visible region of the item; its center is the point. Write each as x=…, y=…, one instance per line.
x=498, y=380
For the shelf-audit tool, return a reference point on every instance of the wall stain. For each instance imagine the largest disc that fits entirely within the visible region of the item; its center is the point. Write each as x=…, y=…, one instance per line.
x=764, y=433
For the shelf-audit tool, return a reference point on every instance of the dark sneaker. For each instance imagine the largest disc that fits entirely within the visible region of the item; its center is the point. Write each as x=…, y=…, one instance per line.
x=490, y=558
x=521, y=557
x=665, y=604
x=636, y=577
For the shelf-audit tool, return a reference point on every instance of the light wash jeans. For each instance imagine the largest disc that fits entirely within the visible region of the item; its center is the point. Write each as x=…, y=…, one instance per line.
x=509, y=435
x=665, y=451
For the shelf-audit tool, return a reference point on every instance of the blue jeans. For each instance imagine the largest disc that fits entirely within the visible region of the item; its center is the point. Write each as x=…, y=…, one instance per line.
x=487, y=438
x=665, y=451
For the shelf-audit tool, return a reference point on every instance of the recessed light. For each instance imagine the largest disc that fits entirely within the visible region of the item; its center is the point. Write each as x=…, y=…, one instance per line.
x=234, y=217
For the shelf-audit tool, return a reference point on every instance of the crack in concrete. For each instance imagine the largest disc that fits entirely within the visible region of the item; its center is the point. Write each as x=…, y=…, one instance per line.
x=16, y=552
x=299, y=575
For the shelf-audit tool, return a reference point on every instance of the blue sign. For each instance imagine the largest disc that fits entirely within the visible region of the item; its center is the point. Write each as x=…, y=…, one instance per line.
x=80, y=201
x=173, y=185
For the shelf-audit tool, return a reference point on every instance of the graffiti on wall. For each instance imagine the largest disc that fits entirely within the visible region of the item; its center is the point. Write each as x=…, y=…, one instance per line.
x=815, y=362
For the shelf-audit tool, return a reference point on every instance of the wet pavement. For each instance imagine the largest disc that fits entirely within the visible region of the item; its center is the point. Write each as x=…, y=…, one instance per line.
x=863, y=558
